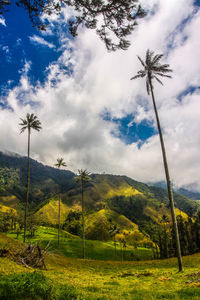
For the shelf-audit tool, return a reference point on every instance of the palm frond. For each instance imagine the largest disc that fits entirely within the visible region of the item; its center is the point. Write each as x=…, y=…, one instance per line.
x=162, y=75
x=23, y=129
x=31, y=122
x=152, y=69
x=83, y=176
x=158, y=79
x=60, y=163
x=137, y=76
x=141, y=61
x=157, y=58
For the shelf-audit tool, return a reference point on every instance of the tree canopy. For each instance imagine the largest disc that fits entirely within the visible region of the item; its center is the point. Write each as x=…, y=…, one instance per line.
x=113, y=20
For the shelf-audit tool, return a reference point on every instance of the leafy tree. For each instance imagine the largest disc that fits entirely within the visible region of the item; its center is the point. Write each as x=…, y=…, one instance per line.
x=4, y=222
x=9, y=178
x=30, y=122
x=83, y=177
x=72, y=223
x=32, y=225
x=60, y=163
x=108, y=17
x=151, y=70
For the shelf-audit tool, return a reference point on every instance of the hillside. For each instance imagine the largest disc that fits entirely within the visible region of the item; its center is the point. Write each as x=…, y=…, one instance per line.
x=45, y=181
x=72, y=278
x=48, y=181
x=110, y=200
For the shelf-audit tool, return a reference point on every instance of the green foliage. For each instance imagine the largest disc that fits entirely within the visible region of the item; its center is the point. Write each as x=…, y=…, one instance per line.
x=45, y=181
x=131, y=207
x=118, y=18
x=65, y=292
x=34, y=286
x=25, y=286
x=72, y=223
x=9, y=179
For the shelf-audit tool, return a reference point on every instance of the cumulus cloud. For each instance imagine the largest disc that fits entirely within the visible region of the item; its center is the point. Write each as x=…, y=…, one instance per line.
x=71, y=107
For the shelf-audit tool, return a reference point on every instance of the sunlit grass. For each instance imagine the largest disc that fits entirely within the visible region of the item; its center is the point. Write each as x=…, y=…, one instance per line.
x=96, y=279
x=71, y=246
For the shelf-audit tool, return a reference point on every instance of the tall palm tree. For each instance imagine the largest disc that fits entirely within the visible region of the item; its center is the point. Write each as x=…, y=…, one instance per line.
x=30, y=122
x=151, y=70
x=60, y=163
x=83, y=177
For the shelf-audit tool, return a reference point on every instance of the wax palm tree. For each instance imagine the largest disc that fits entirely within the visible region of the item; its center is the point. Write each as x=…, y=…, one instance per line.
x=30, y=122
x=83, y=177
x=151, y=70
x=60, y=163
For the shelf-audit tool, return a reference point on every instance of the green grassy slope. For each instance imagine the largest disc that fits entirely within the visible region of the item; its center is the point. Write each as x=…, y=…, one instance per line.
x=72, y=278
x=71, y=246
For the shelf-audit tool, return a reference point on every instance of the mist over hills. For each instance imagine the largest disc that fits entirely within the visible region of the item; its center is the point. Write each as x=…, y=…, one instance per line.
x=187, y=192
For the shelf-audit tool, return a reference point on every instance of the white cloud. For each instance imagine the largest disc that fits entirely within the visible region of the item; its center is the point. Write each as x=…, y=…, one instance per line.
x=2, y=21
x=5, y=49
x=41, y=41
x=71, y=109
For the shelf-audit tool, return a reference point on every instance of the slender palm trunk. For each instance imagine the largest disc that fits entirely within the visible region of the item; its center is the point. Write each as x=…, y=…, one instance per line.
x=27, y=186
x=169, y=188
x=59, y=223
x=83, y=222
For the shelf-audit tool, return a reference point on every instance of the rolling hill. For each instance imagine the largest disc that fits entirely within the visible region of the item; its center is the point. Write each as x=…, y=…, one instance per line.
x=110, y=200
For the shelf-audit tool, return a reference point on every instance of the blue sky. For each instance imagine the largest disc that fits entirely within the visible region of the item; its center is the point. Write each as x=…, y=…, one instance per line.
x=17, y=47
x=92, y=114
x=21, y=43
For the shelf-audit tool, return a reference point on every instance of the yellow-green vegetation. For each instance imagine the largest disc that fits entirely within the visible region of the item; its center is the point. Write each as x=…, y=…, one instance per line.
x=71, y=246
x=156, y=213
x=103, y=188
x=6, y=209
x=9, y=201
x=91, y=279
x=123, y=190
x=99, y=226
x=49, y=212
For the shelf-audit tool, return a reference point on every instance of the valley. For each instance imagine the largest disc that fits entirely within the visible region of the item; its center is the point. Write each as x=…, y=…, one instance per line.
x=128, y=236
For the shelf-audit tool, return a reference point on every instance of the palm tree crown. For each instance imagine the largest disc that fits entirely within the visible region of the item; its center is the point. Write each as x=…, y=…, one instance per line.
x=83, y=175
x=31, y=122
x=152, y=69
x=60, y=163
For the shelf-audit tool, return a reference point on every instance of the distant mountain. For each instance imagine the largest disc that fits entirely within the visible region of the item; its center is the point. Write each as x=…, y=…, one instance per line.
x=135, y=200
x=45, y=181
x=112, y=202
x=183, y=191
x=189, y=194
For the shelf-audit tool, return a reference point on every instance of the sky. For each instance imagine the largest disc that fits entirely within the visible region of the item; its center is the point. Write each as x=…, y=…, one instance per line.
x=92, y=114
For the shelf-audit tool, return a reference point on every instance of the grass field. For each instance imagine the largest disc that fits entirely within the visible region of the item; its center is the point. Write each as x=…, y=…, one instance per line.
x=74, y=278
x=71, y=246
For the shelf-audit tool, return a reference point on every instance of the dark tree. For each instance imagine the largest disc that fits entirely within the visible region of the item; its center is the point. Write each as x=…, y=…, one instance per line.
x=152, y=69
x=30, y=122
x=60, y=163
x=83, y=177
x=109, y=17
